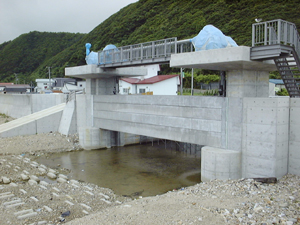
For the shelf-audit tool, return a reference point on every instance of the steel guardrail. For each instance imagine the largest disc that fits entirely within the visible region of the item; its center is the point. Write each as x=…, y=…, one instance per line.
x=276, y=32
x=160, y=49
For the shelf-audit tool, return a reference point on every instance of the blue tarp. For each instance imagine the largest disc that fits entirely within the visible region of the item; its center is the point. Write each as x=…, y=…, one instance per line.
x=211, y=37
x=91, y=57
x=109, y=49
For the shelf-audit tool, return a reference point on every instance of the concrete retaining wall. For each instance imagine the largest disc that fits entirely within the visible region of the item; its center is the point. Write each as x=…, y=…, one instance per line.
x=18, y=106
x=294, y=142
x=265, y=137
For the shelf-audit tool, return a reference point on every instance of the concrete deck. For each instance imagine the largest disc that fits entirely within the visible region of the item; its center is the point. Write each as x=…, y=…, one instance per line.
x=95, y=72
x=234, y=58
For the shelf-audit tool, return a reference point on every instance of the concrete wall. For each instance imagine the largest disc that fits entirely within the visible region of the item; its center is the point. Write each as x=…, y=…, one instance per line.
x=197, y=120
x=44, y=121
x=18, y=106
x=294, y=142
x=255, y=128
x=265, y=137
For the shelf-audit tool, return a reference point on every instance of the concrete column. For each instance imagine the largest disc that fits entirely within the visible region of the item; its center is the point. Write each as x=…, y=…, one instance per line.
x=247, y=83
x=294, y=141
x=217, y=163
x=106, y=86
x=94, y=138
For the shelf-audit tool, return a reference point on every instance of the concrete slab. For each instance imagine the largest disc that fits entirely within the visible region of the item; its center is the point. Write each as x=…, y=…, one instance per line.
x=39, y=122
x=235, y=58
x=95, y=72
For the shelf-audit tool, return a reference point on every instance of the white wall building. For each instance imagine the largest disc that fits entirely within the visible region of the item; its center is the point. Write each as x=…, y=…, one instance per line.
x=43, y=84
x=64, y=85
x=151, y=83
x=157, y=85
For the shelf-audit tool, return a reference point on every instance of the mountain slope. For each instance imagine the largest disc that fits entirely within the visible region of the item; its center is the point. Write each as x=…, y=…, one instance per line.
x=148, y=20
x=26, y=53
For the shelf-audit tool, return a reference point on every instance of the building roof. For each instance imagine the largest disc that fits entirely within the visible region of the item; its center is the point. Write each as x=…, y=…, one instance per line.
x=5, y=84
x=150, y=80
x=17, y=88
x=276, y=81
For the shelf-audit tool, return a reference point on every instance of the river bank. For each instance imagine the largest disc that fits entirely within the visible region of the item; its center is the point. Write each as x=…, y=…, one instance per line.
x=32, y=197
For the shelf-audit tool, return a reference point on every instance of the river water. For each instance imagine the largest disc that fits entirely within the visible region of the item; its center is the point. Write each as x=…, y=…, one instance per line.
x=137, y=170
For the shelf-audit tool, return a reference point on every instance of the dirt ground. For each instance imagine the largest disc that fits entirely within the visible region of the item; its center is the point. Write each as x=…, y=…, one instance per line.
x=29, y=196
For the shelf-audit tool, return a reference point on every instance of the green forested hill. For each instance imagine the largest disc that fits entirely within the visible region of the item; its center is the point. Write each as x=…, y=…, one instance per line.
x=28, y=52
x=148, y=20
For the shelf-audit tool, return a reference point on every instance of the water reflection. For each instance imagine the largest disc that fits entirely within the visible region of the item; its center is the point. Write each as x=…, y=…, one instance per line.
x=132, y=170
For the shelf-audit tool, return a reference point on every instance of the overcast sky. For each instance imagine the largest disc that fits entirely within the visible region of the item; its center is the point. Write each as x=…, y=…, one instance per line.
x=22, y=16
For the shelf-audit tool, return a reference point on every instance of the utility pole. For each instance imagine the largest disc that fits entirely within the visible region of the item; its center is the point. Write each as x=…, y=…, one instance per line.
x=49, y=76
x=181, y=80
x=16, y=78
x=192, y=82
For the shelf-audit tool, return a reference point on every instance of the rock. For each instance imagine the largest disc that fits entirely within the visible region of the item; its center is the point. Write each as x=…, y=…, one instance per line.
x=74, y=181
x=43, y=166
x=51, y=175
x=44, y=183
x=32, y=182
x=33, y=177
x=292, y=198
x=267, y=180
x=63, y=176
x=284, y=205
x=52, y=171
x=61, y=180
x=24, y=176
x=6, y=180
x=258, y=208
x=42, y=170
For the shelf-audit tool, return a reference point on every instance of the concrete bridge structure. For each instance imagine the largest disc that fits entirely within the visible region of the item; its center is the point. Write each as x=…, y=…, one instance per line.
x=246, y=134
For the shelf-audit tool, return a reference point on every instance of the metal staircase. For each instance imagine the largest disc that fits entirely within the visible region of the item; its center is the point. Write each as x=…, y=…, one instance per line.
x=289, y=70
x=279, y=40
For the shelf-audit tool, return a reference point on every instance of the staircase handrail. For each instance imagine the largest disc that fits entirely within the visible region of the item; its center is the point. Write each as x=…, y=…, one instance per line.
x=276, y=32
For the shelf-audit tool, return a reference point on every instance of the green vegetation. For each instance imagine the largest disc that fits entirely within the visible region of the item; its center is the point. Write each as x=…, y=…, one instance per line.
x=282, y=92
x=3, y=115
x=32, y=52
x=146, y=20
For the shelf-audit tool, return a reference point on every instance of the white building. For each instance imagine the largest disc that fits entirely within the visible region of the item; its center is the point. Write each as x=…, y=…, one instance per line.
x=64, y=85
x=43, y=84
x=157, y=85
x=150, y=84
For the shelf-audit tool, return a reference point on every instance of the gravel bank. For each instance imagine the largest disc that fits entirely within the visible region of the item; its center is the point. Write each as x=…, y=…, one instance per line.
x=32, y=197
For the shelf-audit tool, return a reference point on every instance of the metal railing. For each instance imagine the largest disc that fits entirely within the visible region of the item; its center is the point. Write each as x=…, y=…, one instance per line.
x=161, y=49
x=276, y=32
x=71, y=96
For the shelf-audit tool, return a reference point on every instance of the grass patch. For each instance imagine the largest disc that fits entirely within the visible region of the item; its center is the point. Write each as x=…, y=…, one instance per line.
x=4, y=115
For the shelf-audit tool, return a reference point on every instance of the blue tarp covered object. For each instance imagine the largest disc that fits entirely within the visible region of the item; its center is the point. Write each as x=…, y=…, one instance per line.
x=91, y=57
x=211, y=37
x=108, y=50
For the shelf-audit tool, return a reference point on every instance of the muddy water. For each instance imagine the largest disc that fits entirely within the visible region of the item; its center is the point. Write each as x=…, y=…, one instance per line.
x=139, y=170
